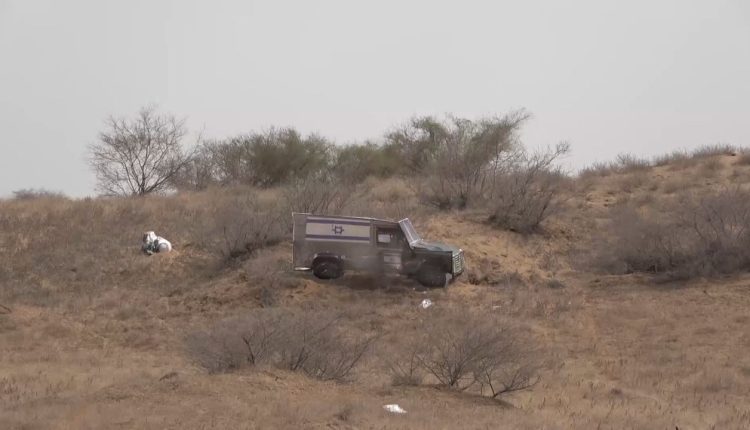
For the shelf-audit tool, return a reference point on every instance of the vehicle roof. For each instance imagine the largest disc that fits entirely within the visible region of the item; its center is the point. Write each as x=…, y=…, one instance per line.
x=364, y=218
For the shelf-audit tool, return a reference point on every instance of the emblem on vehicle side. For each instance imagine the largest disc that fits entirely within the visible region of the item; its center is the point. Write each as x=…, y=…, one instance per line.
x=337, y=229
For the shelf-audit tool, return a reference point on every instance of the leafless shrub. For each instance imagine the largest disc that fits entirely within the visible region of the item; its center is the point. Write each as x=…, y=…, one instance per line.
x=140, y=156
x=393, y=198
x=629, y=163
x=314, y=344
x=487, y=272
x=693, y=236
x=317, y=195
x=642, y=244
x=744, y=159
x=246, y=223
x=462, y=350
x=270, y=270
x=523, y=198
x=671, y=186
x=599, y=168
x=504, y=369
x=714, y=150
x=631, y=181
x=624, y=163
x=310, y=342
x=404, y=366
x=673, y=158
x=710, y=167
x=721, y=225
x=201, y=171
x=234, y=343
x=37, y=193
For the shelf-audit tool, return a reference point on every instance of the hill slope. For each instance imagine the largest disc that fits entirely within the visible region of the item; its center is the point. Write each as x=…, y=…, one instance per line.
x=92, y=333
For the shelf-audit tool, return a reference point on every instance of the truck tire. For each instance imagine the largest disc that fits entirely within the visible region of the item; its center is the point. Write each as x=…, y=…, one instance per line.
x=431, y=276
x=327, y=269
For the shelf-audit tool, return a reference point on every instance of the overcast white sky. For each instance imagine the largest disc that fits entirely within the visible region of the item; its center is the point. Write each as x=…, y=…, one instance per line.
x=609, y=76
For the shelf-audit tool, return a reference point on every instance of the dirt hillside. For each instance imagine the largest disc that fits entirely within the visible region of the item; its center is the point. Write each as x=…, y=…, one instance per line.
x=92, y=332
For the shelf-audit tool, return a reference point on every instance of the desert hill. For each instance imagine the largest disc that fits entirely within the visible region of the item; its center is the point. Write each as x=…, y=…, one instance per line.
x=629, y=322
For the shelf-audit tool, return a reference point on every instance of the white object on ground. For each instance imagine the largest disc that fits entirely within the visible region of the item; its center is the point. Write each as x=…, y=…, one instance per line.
x=153, y=243
x=394, y=408
x=426, y=303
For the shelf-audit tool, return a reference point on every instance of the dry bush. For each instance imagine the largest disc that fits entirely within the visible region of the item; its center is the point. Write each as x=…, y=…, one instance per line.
x=484, y=271
x=37, y=193
x=743, y=159
x=690, y=237
x=678, y=157
x=521, y=199
x=597, y=169
x=673, y=185
x=625, y=163
x=461, y=351
x=271, y=268
x=631, y=181
x=392, y=199
x=245, y=223
x=404, y=366
x=314, y=343
x=355, y=163
x=710, y=167
x=316, y=195
x=237, y=342
x=714, y=150
x=639, y=244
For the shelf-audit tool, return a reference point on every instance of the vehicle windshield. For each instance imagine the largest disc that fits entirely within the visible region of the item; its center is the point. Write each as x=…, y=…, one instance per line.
x=409, y=231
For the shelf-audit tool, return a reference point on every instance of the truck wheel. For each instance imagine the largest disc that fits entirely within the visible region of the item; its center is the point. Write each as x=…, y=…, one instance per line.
x=431, y=276
x=327, y=269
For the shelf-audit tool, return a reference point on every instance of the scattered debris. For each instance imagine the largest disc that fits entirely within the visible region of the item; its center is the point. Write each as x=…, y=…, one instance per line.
x=153, y=243
x=426, y=303
x=394, y=408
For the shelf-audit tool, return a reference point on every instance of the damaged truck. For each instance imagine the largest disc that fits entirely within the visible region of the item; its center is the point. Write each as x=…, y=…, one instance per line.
x=330, y=245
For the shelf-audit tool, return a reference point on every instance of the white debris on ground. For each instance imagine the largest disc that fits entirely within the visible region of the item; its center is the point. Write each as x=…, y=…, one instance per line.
x=426, y=303
x=153, y=243
x=394, y=408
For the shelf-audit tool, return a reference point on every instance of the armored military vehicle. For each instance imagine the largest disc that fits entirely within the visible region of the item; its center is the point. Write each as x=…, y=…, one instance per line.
x=330, y=245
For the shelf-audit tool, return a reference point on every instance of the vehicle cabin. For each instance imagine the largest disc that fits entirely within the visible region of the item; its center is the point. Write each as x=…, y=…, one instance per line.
x=330, y=245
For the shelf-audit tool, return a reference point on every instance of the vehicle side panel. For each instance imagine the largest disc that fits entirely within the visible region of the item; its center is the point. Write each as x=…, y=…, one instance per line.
x=348, y=238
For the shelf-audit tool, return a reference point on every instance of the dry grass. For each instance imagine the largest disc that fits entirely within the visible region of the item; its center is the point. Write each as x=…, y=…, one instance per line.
x=92, y=332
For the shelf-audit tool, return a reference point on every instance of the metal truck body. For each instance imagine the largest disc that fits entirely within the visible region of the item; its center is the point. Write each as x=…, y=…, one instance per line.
x=329, y=245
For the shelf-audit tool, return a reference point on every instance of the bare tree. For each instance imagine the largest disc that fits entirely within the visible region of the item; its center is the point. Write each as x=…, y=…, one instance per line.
x=139, y=156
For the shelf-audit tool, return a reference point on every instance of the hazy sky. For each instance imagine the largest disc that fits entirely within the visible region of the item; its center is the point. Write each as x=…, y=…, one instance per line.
x=608, y=76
